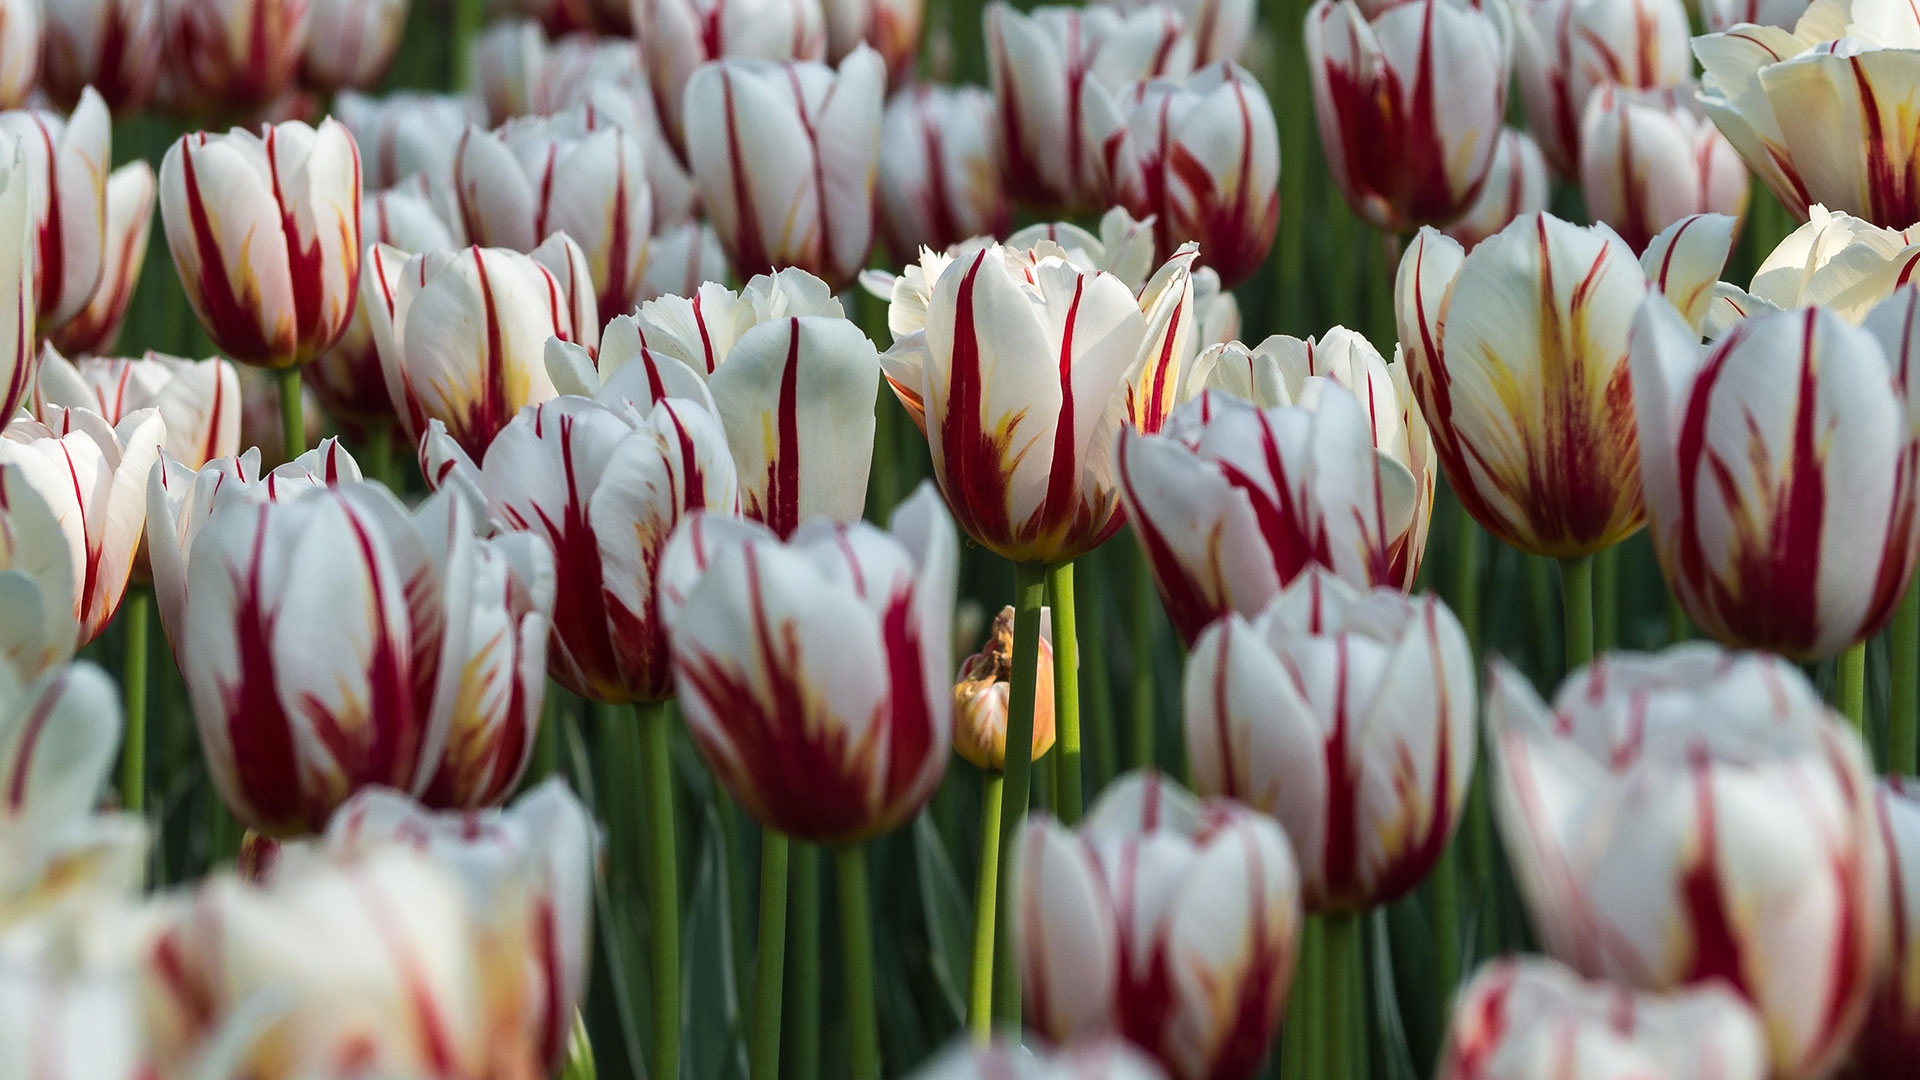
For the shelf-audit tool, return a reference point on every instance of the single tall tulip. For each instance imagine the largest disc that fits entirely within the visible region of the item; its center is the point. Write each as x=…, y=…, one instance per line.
x=198, y=401
x=1170, y=921
x=350, y=43
x=890, y=27
x=1517, y=184
x=96, y=329
x=405, y=133
x=678, y=36
x=1531, y=1019
x=787, y=153
x=1569, y=48
x=1410, y=104
x=1723, y=15
x=1835, y=261
x=21, y=30
x=66, y=161
x=265, y=234
x=1221, y=29
x=105, y=44
x=940, y=174
x=980, y=698
x=814, y=672
x=1518, y=355
x=1672, y=813
x=235, y=53
x=19, y=345
x=1779, y=469
x=1650, y=157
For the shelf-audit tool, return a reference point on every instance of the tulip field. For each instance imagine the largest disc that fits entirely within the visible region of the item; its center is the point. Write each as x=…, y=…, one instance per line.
x=959, y=540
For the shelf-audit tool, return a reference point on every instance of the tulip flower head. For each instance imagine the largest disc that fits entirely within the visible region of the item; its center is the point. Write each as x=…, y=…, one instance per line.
x=1169, y=921
x=814, y=673
x=608, y=78
x=678, y=36
x=1566, y=49
x=236, y=53
x=1518, y=355
x=1779, y=469
x=198, y=401
x=980, y=697
x=37, y=584
x=350, y=43
x=1100, y=1058
x=405, y=133
x=95, y=330
x=890, y=27
x=1723, y=15
x=66, y=160
x=1835, y=261
x=1650, y=157
x=265, y=233
x=1674, y=813
x=20, y=50
x=1892, y=1033
x=681, y=259
x=940, y=175
x=70, y=996
x=1517, y=184
x=1221, y=29
x=105, y=44
x=19, y=345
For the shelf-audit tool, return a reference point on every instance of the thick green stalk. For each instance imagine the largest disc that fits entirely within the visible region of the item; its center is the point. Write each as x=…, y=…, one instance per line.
x=1576, y=604
x=1140, y=659
x=1851, y=688
x=856, y=938
x=1066, y=690
x=133, y=678
x=1606, y=599
x=1903, y=655
x=293, y=422
x=771, y=958
x=1029, y=590
x=986, y=894
x=663, y=888
x=1341, y=955
x=805, y=937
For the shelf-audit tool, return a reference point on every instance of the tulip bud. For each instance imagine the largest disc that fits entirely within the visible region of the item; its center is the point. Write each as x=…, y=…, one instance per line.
x=1891, y=1036
x=1517, y=184
x=1778, y=468
x=1518, y=355
x=1409, y=105
x=606, y=77
x=66, y=164
x=940, y=174
x=20, y=47
x=1723, y=15
x=198, y=401
x=1168, y=921
x=96, y=329
x=788, y=154
x=678, y=36
x=18, y=343
x=1531, y=1019
x=980, y=698
x=1209, y=159
x=1650, y=157
x=1665, y=812
x=105, y=44
x=1565, y=49
x=890, y=27
x=403, y=134
x=350, y=43
x=1100, y=1058
x=235, y=53
x=265, y=234
x=1221, y=29
x=1834, y=261
x=680, y=260
x=813, y=672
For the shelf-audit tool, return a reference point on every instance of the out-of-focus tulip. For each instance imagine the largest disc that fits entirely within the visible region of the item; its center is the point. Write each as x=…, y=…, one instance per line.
x=607, y=77
x=106, y=44
x=1723, y=15
x=1698, y=816
x=1209, y=165
x=787, y=154
x=198, y=400
x=1891, y=1036
x=678, y=36
x=980, y=698
x=1057, y=75
x=681, y=259
x=890, y=27
x=67, y=159
x=1531, y=1019
x=70, y=1005
x=21, y=32
x=462, y=335
x=235, y=54
x=1221, y=29
x=350, y=43
x=1349, y=716
x=1518, y=356
x=940, y=174
x=36, y=581
x=1169, y=921
x=1102, y=1058
x=19, y=345
x=405, y=133
x=814, y=672
x=1410, y=105
x=96, y=329
x=535, y=176
x=508, y=60
x=1835, y=261
x=1780, y=471
x=1650, y=157
x=1517, y=184
x=605, y=484
x=1565, y=49
x=265, y=234
x=546, y=839
x=93, y=474
x=1820, y=112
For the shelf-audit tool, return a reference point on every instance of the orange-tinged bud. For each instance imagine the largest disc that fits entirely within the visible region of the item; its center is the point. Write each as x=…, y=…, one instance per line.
x=980, y=698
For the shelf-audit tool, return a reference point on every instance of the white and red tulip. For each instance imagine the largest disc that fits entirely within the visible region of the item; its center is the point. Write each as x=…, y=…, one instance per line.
x=1103, y=1058
x=1221, y=29
x=36, y=580
x=1891, y=1036
x=403, y=134
x=1517, y=184
x=130, y=196
x=350, y=43
x=66, y=163
x=940, y=174
x=19, y=344
x=1568, y=48
x=890, y=27
x=235, y=53
x=1723, y=15
x=198, y=401
x=681, y=259
x=1835, y=261
x=678, y=36
x=22, y=31
x=1650, y=157
x=105, y=44
x=608, y=77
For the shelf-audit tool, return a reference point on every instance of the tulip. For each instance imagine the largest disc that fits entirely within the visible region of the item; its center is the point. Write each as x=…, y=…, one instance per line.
x=1167, y=920
x=64, y=1017
x=1674, y=812
x=1779, y=471
x=547, y=838
x=1518, y=357
x=1221, y=29
x=1892, y=1032
x=678, y=36
x=198, y=401
x=96, y=329
x=18, y=343
x=606, y=76
x=1409, y=104
x=1092, y=1059
x=235, y=53
x=564, y=16
x=1057, y=74
x=105, y=44
x=890, y=27
x=350, y=43
x=680, y=260
x=841, y=733
x=535, y=177
x=940, y=173
x=265, y=234
x=462, y=335
x=1531, y=1019
x=789, y=152
x=981, y=694
x=1517, y=184
x=36, y=581
x=508, y=61
x=401, y=134
x=1835, y=261
x=1209, y=159
x=1568, y=48
x=1650, y=157
x=66, y=161
x=21, y=33
x=1723, y=15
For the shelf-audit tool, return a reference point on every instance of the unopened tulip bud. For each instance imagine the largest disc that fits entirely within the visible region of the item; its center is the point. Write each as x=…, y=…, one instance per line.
x=980, y=698
x=607, y=77
x=1565, y=49
x=350, y=43
x=1650, y=157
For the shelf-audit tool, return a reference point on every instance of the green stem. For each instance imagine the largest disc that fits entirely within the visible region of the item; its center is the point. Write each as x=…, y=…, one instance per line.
x=133, y=677
x=986, y=891
x=1465, y=574
x=806, y=962
x=1576, y=604
x=1140, y=658
x=663, y=887
x=378, y=460
x=1852, y=688
x=1606, y=596
x=1312, y=981
x=1029, y=590
x=1446, y=920
x=856, y=938
x=1678, y=628
x=293, y=423
x=1066, y=688
x=1903, y=655
x=1342, y=958
x=1097, y=696
x=467, y=17
x=771, y=952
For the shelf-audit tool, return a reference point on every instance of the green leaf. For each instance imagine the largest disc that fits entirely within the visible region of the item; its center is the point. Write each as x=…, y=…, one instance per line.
x=949, y=914
x=715, y=1048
